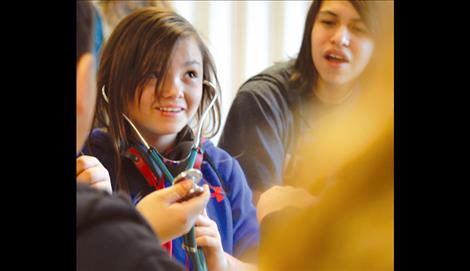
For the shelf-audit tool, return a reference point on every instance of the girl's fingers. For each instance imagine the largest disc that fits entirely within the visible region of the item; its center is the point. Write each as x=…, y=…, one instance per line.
x=206, y=241
x=85, y=161
x=93, y=175
x=103, y=185
x=205, y=231
x=203, y=221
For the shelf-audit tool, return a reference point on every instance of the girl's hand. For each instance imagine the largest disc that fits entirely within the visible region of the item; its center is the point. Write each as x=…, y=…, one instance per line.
x=208, y=237
x=91, y=171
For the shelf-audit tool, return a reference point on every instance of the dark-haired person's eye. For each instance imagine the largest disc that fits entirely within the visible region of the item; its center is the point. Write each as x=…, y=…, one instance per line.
x=360, y=28
x=328, y=22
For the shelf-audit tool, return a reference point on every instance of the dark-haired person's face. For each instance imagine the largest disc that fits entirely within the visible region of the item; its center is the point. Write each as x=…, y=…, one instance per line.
x=175, y=104
x=341, y=43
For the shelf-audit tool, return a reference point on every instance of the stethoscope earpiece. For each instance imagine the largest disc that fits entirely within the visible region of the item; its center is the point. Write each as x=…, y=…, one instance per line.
x=104, y=95
x=209, y=84
x=204, y=115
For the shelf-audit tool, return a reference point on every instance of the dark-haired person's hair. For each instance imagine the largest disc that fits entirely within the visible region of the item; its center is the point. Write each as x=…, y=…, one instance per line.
x=305, y=74
x=85, y=28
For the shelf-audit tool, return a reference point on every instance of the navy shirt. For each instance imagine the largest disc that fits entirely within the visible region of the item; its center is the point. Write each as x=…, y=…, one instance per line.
x=268, y=120
x=260, y=127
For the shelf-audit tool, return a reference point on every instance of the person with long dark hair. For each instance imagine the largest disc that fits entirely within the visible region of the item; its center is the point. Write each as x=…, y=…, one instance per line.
x=274, y=110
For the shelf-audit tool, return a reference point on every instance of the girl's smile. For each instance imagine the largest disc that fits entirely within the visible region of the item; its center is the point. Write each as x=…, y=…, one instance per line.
x=166, y=107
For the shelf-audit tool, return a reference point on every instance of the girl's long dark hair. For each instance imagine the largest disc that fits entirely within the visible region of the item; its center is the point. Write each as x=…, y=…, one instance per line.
x=140, y=46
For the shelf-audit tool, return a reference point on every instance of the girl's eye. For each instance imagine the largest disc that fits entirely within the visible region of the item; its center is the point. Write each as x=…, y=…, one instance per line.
x=192, y=74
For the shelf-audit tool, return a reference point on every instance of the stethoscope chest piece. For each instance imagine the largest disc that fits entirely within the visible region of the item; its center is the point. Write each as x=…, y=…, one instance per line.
x=195, y=176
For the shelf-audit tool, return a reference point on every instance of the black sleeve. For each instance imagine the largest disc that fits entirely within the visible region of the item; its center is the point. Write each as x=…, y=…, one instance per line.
x=255, y=133
x=112, y=235
x=122, y=245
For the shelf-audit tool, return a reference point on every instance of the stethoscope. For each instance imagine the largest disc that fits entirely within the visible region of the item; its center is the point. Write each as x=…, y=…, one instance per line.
x=189, y=239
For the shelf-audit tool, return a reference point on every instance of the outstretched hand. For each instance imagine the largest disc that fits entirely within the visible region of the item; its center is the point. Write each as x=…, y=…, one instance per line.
x=168, y=217
x=279, y=197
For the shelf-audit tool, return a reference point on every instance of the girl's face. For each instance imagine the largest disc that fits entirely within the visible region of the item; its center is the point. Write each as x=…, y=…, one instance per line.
x=168, y=111
x=341, y=43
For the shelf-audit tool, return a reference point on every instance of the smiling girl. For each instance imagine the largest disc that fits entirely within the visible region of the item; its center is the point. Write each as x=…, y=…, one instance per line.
x=155, y=69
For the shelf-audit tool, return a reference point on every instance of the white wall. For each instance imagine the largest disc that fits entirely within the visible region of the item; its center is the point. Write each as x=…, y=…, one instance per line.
x=245, y=37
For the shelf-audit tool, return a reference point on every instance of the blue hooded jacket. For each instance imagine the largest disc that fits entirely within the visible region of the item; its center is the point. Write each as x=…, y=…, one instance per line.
x=230, y=205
